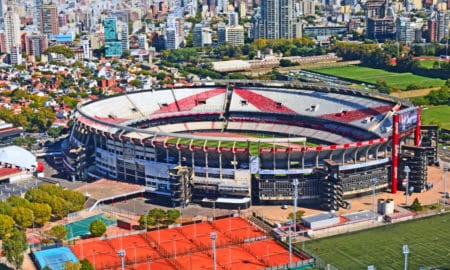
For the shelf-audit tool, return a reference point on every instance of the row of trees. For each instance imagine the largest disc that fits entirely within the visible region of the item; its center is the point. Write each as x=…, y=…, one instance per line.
x=158, y=217
x=36, y=209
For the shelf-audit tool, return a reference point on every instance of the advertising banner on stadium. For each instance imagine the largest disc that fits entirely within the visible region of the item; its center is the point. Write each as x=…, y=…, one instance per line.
x=408, y=119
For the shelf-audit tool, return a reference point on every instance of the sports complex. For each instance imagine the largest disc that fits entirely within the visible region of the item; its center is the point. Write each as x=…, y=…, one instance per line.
x=236, y=143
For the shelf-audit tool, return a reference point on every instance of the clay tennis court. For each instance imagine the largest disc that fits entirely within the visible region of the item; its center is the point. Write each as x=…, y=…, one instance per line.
x=239, y=245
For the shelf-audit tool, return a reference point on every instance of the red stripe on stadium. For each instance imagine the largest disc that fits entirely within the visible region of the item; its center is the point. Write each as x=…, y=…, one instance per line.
x=354, y=115
x=261, y=102
x=190, y=102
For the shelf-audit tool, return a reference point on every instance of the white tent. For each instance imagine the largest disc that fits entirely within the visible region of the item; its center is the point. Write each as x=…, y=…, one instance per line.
x=18, y=156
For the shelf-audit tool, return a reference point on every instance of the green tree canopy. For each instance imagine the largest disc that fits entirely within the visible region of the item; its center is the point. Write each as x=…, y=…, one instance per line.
x=17, y=201
x=6, y=225
x=60, y=207
x=14, y=247
x=173, y=215
x=86, y=265
x=22, y=216
x=60, y=49
x=42, y=213
x=37, y=195
x=97, y=228
x=69, y=265
x=59, y=232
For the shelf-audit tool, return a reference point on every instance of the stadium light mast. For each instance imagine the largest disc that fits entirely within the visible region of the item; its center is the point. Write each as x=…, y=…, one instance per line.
x=213, y=236
x=407, y=170
x=122, y=254
x=295, y=183
x=406, y=252
x=289, y=223
x=445, y=184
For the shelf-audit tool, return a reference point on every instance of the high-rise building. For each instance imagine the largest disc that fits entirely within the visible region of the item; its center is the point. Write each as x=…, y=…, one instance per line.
x=233, y=35
x=380, y=28
x=113, y=46
x=142, y=41
x=405, y=33
x=233, y=18
x=86, y=48
x=37, y=12
x=2, y=18
x=35, y=44
x=172, y=41
x=49, y=19
x=442, y=20
x=276, y=19
x=431, y=37
x=15, y=57
x=12, y=29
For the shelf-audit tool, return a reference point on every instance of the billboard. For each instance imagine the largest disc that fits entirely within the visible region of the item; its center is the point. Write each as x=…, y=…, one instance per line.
x=407, y=119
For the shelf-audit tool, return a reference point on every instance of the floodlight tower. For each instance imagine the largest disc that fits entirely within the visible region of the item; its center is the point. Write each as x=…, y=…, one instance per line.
x=213, y=239
x=122, y=254
x=295, y=183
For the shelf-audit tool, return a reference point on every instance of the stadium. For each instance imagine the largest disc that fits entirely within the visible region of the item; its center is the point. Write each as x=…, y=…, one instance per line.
x=236, y=143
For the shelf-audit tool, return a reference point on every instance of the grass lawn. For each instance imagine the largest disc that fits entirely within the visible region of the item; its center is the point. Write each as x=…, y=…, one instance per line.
x=372, y=75
x=427, y=63
x=437, y=115
x=428, y=240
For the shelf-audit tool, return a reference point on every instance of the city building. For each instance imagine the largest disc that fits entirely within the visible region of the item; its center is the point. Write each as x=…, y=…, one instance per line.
x=12, y=29
x=442, y=21
x=405, y=33
x=113, y=46
x=35, y=44
x=142, y=41
x=233, y=35
x=380, y=28
x=201, y=36
x=171, y=38
x=48, y=17
x=276, y=20
x=2, y=18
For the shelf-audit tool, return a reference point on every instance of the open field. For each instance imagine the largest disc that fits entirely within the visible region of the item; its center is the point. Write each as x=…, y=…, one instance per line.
x=427, y=239
x=427, y=63
x=372, y=75
x=437, y=115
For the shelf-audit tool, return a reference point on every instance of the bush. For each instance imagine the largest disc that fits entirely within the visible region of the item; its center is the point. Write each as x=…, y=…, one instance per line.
x=97, y=228
x=416, y=206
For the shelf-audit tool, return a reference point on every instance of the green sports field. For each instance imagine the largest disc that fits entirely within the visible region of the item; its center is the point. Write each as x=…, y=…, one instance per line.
x=438, y=115
x=372, y=75
x=428, y=240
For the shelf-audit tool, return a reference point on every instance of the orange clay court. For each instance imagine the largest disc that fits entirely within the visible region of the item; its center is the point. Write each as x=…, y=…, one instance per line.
x=239, y=245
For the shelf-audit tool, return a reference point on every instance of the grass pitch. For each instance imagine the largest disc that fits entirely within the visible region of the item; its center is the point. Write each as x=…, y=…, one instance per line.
x=438, y=115
x=372, y=75
x=428, y=240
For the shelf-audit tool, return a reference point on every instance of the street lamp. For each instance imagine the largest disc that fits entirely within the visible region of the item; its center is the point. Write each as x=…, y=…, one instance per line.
x=445, y=187
x=121, y=253
x=406, y=170
x=406, y=252
x=213, y=236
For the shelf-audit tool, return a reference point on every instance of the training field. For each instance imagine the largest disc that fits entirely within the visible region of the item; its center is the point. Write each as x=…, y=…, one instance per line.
x=372, y=75
x=428, y=240
x=437, y=115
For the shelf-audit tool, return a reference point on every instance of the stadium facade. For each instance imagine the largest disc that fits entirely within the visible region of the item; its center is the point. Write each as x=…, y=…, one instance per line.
x=235, y=144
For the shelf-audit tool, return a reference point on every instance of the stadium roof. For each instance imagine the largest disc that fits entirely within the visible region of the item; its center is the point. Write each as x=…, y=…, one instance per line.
x=17, y=156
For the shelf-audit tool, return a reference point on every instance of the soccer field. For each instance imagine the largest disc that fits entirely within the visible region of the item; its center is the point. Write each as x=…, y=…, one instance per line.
x=372, y=75
x=428, y=240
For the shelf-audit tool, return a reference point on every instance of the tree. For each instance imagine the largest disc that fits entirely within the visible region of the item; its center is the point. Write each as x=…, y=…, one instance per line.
x=5, y=208
x=135, y=83
x=60, y=207
x=157, y=214
x=59, y=232
x=172, y=215
x=300, y=214
x=22, y=216
x=6, y=225
x=14, y=201
x=97, y=228
x=37, y=195
x=54, y=132
x=146, y=220
x=14, y=247
x=42, y=213
x=69, y=265
x=86, y=265
x=416, y=205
